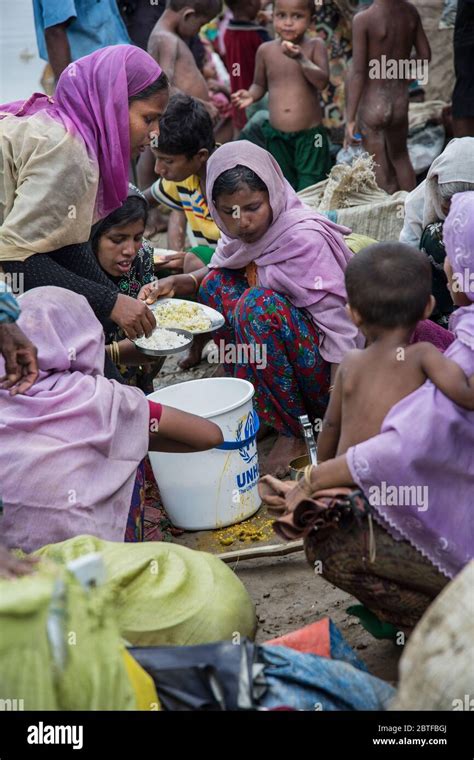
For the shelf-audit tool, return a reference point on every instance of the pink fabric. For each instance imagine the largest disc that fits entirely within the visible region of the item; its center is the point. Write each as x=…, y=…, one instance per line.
x=302, y=255
x=429, y=331
x=70, y=447
x=91, y=100
x=458, y=236
x=427, y=442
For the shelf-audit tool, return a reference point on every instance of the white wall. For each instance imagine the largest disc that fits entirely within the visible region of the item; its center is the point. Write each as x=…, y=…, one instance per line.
x=20, y=65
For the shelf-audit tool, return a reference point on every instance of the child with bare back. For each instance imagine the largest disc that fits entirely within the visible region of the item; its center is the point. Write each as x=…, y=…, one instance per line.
x=294, y=69
x=168, y=44
x=389, y=291
x=383, y=38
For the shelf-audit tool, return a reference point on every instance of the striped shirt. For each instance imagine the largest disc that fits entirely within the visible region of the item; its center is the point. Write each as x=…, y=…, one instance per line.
x=187, y=196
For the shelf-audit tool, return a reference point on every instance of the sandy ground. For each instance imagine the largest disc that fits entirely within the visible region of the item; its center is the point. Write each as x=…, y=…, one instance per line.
x=285, y=590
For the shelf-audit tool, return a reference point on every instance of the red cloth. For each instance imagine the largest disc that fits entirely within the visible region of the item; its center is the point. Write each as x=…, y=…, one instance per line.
x=155, y=410
x=241, y=45
x=429, y=331
x=312, y=639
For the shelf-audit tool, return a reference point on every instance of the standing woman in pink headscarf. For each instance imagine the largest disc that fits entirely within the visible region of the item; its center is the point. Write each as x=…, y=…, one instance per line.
x=64, y=165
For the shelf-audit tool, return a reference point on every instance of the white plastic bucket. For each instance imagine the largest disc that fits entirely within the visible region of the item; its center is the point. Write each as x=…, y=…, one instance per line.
x=211, y=489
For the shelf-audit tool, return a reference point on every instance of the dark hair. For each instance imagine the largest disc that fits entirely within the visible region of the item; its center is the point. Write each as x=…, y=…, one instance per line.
x=232, y=179
x=185, y=128
x=132, y=209
x=205, y=8
x=237, y=4
x=310, y=6
x=158, y=85
x=389, y=284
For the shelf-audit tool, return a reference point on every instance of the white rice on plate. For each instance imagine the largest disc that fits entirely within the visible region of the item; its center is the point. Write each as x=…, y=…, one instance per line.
x=161, y=339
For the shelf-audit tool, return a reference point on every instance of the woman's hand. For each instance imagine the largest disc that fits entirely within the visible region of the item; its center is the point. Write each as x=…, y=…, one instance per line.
x=273, y=491
x=164, y=288
x=133, y=316
x=21, y=360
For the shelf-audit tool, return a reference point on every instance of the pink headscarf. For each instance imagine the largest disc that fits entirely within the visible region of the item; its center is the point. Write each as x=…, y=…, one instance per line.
x=302, y=255
x=458, y=236
x=91, y=100
x=71, y=446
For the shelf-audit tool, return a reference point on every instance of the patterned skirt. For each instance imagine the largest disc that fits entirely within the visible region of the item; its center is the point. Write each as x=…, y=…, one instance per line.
x=269, y=342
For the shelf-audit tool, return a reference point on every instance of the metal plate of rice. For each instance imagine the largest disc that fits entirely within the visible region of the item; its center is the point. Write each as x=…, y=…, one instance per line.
x=165, y=341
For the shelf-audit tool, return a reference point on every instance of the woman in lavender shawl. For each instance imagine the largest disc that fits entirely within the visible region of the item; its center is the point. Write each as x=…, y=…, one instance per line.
x=64, y=165
x=418, y=550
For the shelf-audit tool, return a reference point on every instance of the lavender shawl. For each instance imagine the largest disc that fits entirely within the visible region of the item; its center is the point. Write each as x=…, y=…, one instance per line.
x=427, y=441
x=302, y=255
x=71, y=446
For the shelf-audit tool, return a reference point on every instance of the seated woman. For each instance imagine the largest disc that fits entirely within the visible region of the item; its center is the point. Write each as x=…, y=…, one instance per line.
x=72, y=445
x=278, y=277
x=426, y=208
x=127, y=259
x=424, y=448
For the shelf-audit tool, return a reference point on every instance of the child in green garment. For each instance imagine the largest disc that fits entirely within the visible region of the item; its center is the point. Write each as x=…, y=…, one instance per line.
x=294, y=69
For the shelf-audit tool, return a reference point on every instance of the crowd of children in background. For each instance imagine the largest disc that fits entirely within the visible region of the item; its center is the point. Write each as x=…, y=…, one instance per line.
x=264, y=73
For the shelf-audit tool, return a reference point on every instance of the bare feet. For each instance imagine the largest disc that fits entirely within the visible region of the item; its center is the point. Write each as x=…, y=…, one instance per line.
x=193, y=357
x=285, y=449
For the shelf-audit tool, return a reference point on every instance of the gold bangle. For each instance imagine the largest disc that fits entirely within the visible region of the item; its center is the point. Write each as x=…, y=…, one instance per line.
x=331, y=388
x=304, y=479
x=307, y=476
x=115, y=352
x=195, y=281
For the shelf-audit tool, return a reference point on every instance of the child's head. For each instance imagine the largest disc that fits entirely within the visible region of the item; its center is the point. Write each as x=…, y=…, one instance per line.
x=193, y=14
x=389, y=286
x=186, y=139
x=242, y=202
x=247, y=9
x=292, y=18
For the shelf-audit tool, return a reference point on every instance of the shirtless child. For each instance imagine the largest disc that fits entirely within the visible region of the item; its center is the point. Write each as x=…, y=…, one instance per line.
x=293, y=68
x=168, y=43
x=389, y=291
x=169, y=46
x=383, y=37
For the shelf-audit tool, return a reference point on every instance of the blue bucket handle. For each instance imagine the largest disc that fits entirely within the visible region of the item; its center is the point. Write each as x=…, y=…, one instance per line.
x=234, y=445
